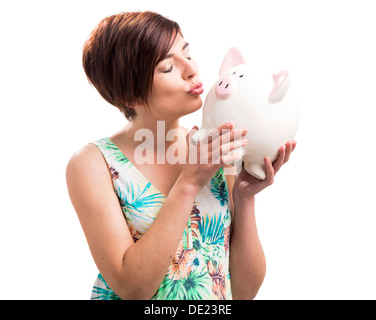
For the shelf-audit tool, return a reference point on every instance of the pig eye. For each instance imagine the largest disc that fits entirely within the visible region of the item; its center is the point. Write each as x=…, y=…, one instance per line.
x=241, y=76
x=234, y=72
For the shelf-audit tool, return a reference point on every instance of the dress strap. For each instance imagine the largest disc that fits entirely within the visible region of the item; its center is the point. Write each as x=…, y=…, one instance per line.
x=112, y=154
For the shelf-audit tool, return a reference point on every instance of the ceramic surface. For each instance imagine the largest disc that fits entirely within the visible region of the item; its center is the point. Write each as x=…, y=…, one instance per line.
x=271, y=116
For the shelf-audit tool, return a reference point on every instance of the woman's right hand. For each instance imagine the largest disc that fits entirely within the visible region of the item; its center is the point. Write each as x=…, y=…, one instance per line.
x=212, y=152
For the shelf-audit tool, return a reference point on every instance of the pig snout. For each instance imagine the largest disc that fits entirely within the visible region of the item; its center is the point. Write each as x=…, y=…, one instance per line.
x=225, y=88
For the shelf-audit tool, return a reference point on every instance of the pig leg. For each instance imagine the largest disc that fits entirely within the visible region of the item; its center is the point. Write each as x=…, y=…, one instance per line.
x=255, y=169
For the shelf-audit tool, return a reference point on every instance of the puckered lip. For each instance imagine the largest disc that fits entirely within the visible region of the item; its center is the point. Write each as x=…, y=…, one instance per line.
x=196, y=89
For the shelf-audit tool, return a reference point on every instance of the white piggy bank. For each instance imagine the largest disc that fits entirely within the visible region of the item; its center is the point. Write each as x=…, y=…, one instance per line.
x=271, y=117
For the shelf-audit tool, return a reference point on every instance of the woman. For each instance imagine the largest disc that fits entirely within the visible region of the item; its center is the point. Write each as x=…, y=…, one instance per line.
x=161, y=230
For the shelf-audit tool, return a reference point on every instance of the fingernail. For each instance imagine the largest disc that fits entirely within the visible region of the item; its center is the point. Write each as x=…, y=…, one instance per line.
x=244, y=142
x=245, y=131
x=229, y=125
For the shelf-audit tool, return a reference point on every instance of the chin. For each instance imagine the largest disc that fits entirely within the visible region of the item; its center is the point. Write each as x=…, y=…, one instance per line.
x=196, y=105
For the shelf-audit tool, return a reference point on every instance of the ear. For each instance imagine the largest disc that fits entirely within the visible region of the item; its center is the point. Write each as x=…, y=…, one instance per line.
x=232, y=59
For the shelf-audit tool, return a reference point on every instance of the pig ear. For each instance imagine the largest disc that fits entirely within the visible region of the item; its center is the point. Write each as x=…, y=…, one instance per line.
x=232, y=59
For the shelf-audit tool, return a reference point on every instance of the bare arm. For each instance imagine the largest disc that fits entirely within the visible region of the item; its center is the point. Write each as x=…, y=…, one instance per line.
x=132, y=270
x=247, y=260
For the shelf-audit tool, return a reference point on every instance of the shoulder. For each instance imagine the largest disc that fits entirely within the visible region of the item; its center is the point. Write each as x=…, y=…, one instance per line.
x=87, y=167
x=84, y=159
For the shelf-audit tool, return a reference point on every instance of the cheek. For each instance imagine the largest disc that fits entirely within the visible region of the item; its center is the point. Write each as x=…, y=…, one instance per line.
x=166, y=89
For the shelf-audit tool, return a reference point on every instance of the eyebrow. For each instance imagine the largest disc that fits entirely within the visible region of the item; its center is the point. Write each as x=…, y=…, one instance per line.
x=171, y=54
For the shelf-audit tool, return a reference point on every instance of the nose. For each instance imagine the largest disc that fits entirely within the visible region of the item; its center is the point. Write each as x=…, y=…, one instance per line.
x=225, y=88
x=190, y=69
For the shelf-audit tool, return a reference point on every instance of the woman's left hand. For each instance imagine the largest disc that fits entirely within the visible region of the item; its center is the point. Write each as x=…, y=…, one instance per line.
x=247, y=186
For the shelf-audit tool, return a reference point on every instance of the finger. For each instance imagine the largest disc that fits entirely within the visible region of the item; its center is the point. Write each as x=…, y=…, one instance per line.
x=233, y=135
x=294, y=145
x=188, y=137
x=288, y=151
x=223, y=132
x=230, y=158
x=225, y=148
x=216, y=132
x=277, y=164
x=270, y=171
x=224, y=143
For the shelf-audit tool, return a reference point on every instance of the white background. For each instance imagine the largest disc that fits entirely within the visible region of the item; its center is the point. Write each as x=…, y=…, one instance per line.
x=317, y=222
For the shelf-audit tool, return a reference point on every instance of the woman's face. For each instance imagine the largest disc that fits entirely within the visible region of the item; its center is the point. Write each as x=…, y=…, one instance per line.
x=176, y=86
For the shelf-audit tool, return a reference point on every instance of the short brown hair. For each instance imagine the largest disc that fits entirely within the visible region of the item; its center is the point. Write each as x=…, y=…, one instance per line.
x=121, y=53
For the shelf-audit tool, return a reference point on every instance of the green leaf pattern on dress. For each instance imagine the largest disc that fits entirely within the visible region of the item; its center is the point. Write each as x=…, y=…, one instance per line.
x=200, y=266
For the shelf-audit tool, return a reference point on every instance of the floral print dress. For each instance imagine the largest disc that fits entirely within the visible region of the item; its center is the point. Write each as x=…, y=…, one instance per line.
x=200, y=266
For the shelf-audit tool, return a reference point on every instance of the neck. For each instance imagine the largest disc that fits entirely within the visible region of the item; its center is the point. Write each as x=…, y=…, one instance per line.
x=158, y=129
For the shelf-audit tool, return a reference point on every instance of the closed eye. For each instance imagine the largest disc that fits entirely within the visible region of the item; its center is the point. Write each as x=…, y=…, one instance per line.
x=169, y=69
